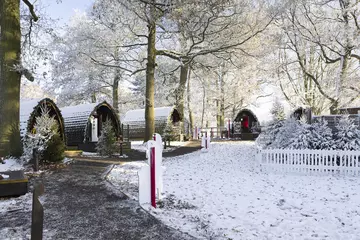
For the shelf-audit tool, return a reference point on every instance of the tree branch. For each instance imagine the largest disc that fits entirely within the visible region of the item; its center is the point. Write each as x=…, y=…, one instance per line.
x=31, y=9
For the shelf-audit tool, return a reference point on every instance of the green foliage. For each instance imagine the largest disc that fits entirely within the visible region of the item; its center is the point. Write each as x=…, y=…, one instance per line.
x=55, y=150
x=106, y=144
x=45, y=137
x=169, y=132
x=15, y=147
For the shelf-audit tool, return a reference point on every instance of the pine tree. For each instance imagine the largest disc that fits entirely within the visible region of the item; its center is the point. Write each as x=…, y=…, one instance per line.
x=322, y=136
x=286, y=133
x=347, y=136
x=303, y=138
x=269, y=133
x=106, y=144
x=277, y=110
x=44, y=129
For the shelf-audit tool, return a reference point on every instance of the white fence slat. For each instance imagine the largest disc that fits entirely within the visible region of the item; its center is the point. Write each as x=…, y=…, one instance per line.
x=310, y=161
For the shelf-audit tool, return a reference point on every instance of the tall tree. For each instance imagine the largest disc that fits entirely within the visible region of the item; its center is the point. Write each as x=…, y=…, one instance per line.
x=10, y=75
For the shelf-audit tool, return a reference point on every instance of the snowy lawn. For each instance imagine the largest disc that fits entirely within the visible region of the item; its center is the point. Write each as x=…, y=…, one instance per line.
x=141, y=146
x=11, y=164
x=222, y=194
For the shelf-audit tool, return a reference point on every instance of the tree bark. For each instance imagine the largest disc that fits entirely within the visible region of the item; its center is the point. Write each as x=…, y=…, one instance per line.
x=115, y=91
x=150, y=76
x=181, y=89
x=191, y=119
x=10, y=44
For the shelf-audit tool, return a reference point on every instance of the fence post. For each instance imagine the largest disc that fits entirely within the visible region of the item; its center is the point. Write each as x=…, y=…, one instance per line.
x=37, y=216
x=35, y=159
x=152, y=176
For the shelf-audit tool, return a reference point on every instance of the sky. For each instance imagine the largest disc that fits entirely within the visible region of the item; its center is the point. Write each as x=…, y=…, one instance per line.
x=65, y=9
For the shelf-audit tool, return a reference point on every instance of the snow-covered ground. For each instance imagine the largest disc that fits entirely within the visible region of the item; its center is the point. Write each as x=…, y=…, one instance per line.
x=141, y=146
x=223, y=195
x=11, y=164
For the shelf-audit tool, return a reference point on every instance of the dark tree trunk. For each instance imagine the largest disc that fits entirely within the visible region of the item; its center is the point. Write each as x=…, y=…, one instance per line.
x=150, y=77
x=9, y=78
x=115, y=91
x=191, y=120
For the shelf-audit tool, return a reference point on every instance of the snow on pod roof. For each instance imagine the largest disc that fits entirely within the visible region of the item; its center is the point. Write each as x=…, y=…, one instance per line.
x=138, y=115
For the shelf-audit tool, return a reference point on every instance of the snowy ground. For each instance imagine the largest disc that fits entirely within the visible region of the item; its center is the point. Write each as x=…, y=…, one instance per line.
x=141, y=146
x=19, y=204
x=11, y=164
x=223, y=195
x=96, y=155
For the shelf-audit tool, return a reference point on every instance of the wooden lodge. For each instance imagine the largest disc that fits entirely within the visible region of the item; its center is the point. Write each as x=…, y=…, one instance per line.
x=30, y=109
x=83, y=124
x=165, y=117
x=246, y=125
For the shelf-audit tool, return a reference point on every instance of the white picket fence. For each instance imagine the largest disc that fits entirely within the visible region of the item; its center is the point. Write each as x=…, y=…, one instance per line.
x=310, y=161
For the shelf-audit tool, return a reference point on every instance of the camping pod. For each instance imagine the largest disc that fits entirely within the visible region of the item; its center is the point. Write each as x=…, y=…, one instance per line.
x=83, y=124
x=30, y=109
x=166, y=119
x=246, y=125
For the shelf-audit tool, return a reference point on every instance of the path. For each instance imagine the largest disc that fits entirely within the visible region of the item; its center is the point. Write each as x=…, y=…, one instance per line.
x=134, y=155
x=79, y=204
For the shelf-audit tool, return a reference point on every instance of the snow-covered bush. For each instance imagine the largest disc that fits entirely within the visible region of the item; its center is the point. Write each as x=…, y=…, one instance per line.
x=106, y=143
x=347, y=136
x=44, y=129
x=268, y=134
x=296, y=134
x=286, y=134
x=323, y=136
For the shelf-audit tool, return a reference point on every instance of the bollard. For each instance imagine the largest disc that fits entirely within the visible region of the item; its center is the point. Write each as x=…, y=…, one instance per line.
x=152, y=178
x=150, y=191
x=37, y=215
x=35, y=160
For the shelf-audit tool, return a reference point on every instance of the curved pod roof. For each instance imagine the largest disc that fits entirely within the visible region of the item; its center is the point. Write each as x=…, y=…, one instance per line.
x=30, y=109
x=76, y=119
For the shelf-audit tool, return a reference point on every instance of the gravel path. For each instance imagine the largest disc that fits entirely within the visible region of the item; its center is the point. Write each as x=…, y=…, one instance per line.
x=79, y=205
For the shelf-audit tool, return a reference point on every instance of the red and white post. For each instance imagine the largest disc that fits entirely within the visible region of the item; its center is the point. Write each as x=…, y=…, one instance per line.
x=152, y=177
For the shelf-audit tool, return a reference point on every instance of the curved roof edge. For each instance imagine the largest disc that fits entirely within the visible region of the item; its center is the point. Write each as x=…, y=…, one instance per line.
x=85, y=110
x=248, y=110
x=28, y=107
x=138, y=115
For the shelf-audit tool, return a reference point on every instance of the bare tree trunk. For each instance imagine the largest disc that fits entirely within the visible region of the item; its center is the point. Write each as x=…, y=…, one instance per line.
x=115, y=91
x=150, y=77
x=93, y=97
x=115, y=85
x=203, y=106
x=9, y=77
x=220, y=100
x=181, y=89
x=191, y=120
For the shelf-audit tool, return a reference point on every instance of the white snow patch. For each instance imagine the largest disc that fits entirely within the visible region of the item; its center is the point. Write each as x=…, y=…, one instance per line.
x=138, y=115
x=83, y=110
x=125, y=177
x=11, y=164
x=67, y=160
x=141, y=146
x=223, y=195
x=22, y=203
x=16, y=233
